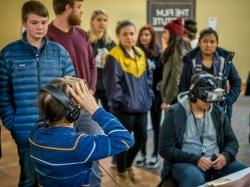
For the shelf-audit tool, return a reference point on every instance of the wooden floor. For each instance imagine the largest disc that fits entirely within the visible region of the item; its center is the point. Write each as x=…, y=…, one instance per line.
x=9, y=167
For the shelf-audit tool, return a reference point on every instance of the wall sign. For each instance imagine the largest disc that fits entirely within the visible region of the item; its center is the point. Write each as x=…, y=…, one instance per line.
x=160, y=12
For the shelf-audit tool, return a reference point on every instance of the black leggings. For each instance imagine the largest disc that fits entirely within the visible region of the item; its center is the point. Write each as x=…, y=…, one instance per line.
x=136, y=123
x=102, y=96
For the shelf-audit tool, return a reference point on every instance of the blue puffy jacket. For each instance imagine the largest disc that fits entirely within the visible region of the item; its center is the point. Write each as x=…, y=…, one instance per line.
x=24, y=69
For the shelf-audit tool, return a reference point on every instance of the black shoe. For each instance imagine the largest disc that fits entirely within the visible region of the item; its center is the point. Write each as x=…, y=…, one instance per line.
x=141, y=161
x=153, y=162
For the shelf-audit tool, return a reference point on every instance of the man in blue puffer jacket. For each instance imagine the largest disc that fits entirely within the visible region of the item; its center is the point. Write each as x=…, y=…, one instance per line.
x=25, y=66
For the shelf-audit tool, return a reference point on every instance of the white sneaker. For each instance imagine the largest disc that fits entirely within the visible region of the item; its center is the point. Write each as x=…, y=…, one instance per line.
x=153, y=162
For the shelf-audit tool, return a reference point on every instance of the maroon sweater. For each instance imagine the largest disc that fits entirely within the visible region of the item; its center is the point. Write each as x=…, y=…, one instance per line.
x=76, y=43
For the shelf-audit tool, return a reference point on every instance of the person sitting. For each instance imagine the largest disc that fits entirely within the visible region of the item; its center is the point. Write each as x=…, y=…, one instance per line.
x=55, y=145
x=196, y=140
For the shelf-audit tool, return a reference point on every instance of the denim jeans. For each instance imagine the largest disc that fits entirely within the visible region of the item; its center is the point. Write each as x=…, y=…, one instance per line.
x=28, y=173
x=87, y=125
x=189, y=175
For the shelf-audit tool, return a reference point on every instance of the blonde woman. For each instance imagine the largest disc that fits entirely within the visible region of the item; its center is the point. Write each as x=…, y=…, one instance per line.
x=101, y=43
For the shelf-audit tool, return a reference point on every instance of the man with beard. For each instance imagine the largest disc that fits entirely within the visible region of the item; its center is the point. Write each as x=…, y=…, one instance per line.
x=66, y=31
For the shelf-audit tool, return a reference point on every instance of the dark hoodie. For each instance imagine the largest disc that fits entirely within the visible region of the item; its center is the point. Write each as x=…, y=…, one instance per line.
x=173, y=129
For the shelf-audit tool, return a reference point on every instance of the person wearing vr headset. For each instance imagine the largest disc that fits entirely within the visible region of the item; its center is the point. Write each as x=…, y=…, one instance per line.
x=56, y=147
x=196, y=140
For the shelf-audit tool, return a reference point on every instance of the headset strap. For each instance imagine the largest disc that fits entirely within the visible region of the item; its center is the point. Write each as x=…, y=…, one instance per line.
x=58, y=94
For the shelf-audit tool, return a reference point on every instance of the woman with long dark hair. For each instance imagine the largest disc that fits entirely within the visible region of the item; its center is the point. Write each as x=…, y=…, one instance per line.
x=172, y=61
x=147, y=42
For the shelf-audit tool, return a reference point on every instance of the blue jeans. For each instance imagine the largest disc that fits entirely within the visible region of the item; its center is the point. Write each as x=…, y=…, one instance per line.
x=28, y=173
x=189, y=175
x=87, y=125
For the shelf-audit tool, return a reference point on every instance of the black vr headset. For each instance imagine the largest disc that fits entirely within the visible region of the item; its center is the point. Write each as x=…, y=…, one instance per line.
x=72, y=111
x=203, y=86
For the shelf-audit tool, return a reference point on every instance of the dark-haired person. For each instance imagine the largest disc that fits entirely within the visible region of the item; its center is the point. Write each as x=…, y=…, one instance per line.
x=147, y=42
x=129, y=94
x=197, y=142
x=65, y=29
x=25, y=66
x=216, y=61
x=62, y=156
x=171, y=61
x=190, y=31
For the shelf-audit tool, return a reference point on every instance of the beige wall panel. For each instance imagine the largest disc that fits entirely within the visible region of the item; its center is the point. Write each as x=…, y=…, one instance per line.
x=10, y=21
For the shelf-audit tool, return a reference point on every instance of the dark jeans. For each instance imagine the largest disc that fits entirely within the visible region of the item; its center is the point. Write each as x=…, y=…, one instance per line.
x=136, y=123
x=189, y=175
x=28, y=173
x=156, y=123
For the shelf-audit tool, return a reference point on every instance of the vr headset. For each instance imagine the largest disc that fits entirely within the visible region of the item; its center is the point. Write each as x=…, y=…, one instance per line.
x=203, y=86
x=216, y=95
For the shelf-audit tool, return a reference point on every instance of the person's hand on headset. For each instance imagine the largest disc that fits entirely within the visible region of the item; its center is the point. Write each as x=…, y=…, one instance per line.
x=82, y=96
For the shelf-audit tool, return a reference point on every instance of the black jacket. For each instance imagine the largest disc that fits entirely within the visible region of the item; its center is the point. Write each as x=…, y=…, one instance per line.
x=172, y=131
x=229, y=74
x=98, y=45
